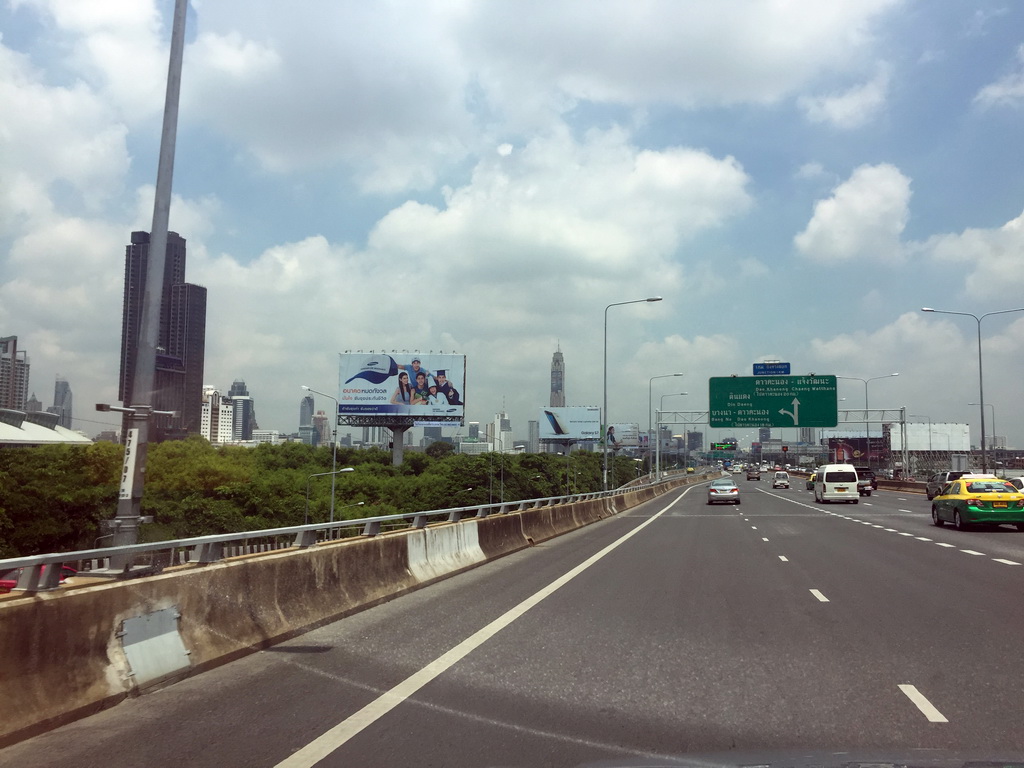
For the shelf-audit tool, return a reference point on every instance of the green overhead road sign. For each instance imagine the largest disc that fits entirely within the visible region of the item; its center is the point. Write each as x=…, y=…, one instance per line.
x=772, y=401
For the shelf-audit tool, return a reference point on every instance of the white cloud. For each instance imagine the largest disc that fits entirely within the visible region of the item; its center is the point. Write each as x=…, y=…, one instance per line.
x=51, y=134
x=991, y=258
x=851, y=109
x=863, y=219
x=116, y=46
x=909, y=345
x=536, y=240
x=1008, y=91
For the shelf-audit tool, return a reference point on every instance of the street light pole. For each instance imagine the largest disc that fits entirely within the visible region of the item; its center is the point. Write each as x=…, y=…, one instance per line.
x=324, y=474
x=650, y=399
x=604, y=411
x=981, y=380
x=334, y=439
x=662, y=410
x=867, y=423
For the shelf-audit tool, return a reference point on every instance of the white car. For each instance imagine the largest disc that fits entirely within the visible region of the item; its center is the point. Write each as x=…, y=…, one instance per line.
x=780, y=480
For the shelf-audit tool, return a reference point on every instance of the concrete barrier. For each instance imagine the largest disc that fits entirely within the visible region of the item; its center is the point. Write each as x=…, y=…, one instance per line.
x=444, y=549
x=63, y=656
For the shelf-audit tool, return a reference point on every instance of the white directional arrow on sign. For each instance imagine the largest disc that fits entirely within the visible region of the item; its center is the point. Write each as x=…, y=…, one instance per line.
x=794, y=414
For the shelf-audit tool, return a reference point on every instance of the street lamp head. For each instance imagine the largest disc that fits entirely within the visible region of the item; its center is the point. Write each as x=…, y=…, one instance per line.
x=654, y=298
x=305, y=387
x=894, y=374
x=927, y=309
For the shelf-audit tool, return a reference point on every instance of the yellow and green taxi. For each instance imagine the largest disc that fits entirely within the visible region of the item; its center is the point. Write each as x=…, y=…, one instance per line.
x=978, y=499
x=810, y=480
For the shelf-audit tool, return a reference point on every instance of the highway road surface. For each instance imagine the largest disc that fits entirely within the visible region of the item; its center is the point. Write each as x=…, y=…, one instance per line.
x=674, y=629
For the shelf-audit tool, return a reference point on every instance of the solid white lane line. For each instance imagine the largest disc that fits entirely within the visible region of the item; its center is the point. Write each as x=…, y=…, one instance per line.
x=1006, y=562
x=328, y=742
x=922, y=538
x=926, y=707
x=783, y=558
x=943, y=544
x=818, y=595
x=971, y=552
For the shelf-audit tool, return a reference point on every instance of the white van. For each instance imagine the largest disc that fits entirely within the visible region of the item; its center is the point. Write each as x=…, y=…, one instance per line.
x=836, y=482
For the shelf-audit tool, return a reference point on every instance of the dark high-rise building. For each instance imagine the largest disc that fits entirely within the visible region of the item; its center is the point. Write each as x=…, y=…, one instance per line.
x=557, y=379
x=181, y=341
x=306, y=409
x=244, y=419
x=764, y=434
x=62, y=402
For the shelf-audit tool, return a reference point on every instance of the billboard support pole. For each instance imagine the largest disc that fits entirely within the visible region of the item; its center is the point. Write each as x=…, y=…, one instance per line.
x=397, y=445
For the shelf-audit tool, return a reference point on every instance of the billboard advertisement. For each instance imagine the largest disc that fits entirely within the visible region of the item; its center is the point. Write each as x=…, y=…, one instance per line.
x=575, y=422
x=623, y=436
x=425, y=386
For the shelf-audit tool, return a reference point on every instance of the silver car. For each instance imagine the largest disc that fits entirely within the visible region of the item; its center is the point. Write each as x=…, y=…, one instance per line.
x=723, y=490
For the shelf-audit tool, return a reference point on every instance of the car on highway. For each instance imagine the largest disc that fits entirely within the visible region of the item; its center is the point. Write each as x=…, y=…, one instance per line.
x=866, y=481
x=810, y=481
x=753, y=473
x=723, y=491
x=974, y=499
x=9, y=577
x=780, y=480
x=939, y=480
x=836, y=482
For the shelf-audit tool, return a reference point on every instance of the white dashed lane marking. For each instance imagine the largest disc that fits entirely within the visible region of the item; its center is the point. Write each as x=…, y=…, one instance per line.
x=926, y=707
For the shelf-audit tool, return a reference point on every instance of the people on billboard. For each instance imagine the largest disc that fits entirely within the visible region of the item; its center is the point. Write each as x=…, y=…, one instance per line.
x=612, y=441
x=413, y=369
x=434, y=397
x=420, y=392
x=403, y=393
x=445, y=387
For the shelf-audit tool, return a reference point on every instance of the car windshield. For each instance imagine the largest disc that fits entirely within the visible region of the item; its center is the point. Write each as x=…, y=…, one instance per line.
x=989, y=486
x=723, y=481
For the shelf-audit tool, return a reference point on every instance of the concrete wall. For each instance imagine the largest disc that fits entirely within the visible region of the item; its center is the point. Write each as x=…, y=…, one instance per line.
x=62, y=657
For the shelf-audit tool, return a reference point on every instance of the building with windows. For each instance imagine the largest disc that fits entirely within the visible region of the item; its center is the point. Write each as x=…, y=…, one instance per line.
x=244, y=410
x=216, y=416
x=62, y=402
x=14, y=368
x=181, y=338
x=557, y=379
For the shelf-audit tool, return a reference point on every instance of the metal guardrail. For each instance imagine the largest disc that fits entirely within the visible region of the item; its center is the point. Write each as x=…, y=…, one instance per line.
x=42, y=572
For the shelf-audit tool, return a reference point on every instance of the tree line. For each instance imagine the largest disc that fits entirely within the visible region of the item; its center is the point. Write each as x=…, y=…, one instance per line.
x=53, y=498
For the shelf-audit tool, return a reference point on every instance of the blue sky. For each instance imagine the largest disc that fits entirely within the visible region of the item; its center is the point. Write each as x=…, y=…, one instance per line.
x=795, y=179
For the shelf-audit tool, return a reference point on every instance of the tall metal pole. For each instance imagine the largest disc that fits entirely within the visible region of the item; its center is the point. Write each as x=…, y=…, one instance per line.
x=136, y=440
x=650, y=407
x=604, y=410
x=981, y=379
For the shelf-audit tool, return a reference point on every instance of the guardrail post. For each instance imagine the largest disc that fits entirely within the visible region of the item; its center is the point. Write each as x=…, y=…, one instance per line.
x=454, y=516
x=371, y=529
x=305, y=539
x=483, y=512
x=209, y=553
x=420, y=521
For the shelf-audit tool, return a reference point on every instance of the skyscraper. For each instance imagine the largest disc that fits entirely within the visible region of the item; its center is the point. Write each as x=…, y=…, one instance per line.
x=14, y=367
x=181, y=341
x=216, y=416
x=306, y=408
x=244, y=419
x=557, y=379
x=62, y=402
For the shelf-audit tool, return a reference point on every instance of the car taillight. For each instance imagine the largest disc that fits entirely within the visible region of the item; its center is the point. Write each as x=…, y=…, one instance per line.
x=973, y=502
